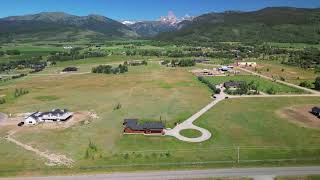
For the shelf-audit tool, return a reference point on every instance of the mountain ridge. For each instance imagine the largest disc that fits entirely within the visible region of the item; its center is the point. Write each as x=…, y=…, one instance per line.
x=63, y=26
x=278, y=24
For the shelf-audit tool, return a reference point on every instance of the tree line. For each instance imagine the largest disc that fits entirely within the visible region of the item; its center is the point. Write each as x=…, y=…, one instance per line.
x=107, y=69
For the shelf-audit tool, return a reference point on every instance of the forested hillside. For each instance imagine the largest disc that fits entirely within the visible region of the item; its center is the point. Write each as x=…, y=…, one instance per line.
x=281, y=24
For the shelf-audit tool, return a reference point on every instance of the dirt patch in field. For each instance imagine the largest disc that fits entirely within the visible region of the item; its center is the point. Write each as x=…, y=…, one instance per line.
x=301, y=115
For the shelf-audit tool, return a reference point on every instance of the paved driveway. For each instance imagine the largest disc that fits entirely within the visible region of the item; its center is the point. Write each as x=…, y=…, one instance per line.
x=188, y=124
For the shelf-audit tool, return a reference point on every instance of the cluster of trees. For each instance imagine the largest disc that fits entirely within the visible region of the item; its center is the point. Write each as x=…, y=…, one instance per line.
x=18, y=76
x=20, y=64
x=20, y=92
x=307, y=58
x=244, y=88
x=213, y=87
x=107, y=69
x=10, y=52
x=73, y=55
x=180, y=63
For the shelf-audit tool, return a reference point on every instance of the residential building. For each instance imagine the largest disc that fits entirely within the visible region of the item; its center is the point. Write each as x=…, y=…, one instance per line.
x=246, y=64
x=56, y=115
x=132, y=126
x=233, y=84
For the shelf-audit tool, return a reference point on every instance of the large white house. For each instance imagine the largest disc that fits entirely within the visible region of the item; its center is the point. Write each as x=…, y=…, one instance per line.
x=56, y=115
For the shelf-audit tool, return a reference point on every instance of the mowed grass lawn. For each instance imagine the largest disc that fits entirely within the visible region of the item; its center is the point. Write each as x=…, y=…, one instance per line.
x=148, y=93
x=262, y=84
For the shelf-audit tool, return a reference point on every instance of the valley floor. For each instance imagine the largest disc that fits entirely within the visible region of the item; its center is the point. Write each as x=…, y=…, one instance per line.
x=245, y=131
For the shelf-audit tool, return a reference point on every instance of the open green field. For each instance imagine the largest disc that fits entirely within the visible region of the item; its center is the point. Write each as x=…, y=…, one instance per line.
x=262, y=84
x=151, y=92
x=293, y=45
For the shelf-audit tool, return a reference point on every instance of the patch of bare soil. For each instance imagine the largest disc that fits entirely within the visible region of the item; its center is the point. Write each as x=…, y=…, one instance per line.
x=301, y=115
x=78, y=117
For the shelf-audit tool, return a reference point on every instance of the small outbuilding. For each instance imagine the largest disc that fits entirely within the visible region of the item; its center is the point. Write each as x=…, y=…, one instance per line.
x=132, y=126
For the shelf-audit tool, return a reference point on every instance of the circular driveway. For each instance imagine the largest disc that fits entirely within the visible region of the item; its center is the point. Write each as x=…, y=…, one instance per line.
x=188, y=124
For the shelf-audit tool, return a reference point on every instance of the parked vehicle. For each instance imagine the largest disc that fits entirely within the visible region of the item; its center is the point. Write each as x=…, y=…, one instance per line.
x=20, y=123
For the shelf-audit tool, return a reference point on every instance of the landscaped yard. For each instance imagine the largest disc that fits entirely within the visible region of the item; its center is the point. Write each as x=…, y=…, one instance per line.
x=261, y=83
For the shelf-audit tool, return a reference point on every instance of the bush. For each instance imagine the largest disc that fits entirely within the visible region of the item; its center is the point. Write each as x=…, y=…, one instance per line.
x=305, y=84
x=317, y=83
x=2, y=100
x=213, y=87
x=20, y=92
x=13, y=52
x=271, y=91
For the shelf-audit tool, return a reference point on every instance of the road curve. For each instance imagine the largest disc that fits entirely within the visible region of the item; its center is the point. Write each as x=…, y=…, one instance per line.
x=189, y=174
x=188, y=124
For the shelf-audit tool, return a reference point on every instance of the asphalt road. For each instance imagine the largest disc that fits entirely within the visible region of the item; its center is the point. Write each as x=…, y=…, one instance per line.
x=160, y=175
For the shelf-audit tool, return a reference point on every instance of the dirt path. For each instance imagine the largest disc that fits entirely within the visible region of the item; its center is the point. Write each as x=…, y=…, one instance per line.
x=54, y=159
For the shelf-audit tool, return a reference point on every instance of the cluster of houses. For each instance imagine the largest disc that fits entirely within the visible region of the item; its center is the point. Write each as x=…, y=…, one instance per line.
x=56, y=115
x=246, y=64
x=133, y=126
x=316, y=111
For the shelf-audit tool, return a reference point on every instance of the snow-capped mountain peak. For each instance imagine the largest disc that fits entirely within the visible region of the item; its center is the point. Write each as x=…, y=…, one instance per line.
x=128, y=22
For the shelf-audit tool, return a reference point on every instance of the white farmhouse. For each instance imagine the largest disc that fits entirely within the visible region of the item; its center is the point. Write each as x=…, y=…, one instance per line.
x=56, y=115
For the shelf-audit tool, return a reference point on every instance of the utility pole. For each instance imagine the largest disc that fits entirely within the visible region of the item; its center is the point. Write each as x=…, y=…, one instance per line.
x=238, y=150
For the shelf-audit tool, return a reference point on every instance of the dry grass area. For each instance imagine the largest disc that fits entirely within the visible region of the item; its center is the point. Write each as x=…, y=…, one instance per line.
x=301, y=115
x=291, y=74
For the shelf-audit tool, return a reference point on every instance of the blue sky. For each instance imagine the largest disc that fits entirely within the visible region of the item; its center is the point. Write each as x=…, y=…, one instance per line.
x=142, y=9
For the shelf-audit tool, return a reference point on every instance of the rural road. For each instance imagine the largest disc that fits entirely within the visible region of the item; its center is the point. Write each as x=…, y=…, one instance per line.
x=256, y=173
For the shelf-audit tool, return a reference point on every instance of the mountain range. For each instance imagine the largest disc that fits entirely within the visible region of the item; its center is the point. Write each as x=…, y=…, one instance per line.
x=277, y=24
x=274, y=24
x=59, y=26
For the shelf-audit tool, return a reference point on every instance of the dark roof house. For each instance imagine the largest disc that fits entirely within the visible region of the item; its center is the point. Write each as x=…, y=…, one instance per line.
x=69, y=69
x=233, y=84
x=133, y=126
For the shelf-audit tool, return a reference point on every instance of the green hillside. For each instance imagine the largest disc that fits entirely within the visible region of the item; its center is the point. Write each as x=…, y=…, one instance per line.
x=58, y=26
x=280, y=24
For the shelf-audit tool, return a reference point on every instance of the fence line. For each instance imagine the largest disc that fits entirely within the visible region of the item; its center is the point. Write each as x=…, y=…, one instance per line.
x=227, y=148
